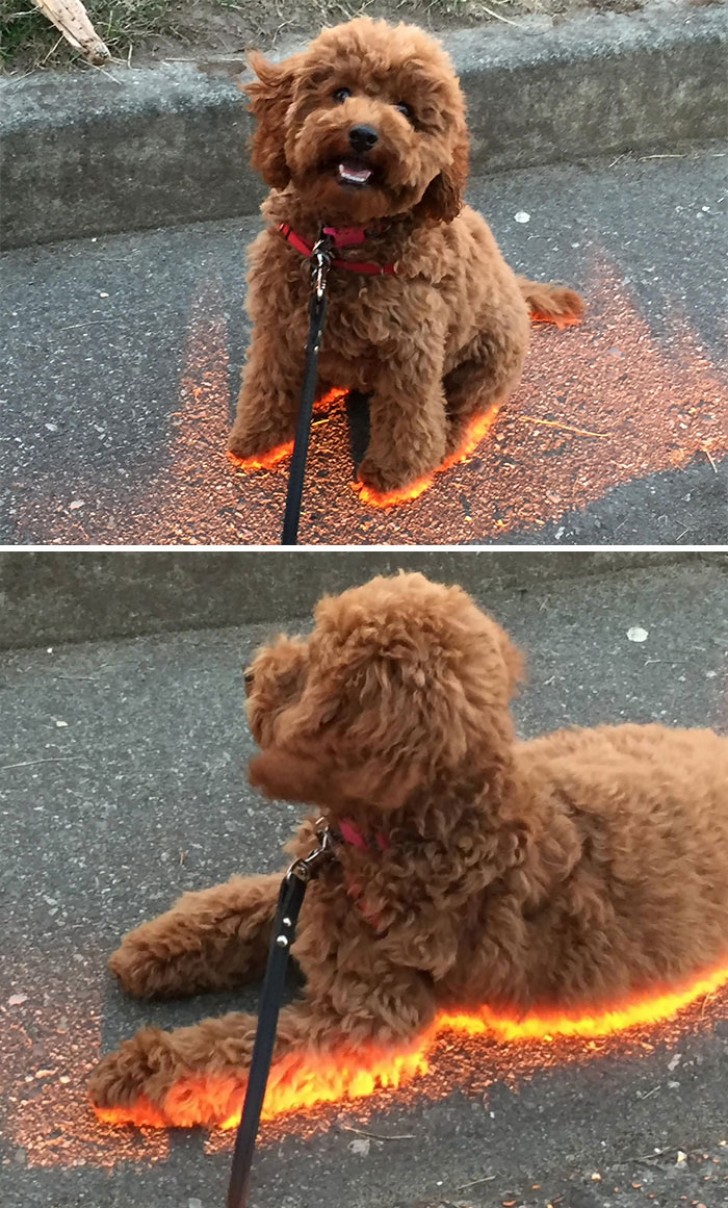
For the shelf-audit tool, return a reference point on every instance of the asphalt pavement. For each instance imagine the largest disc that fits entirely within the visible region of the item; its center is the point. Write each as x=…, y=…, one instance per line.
x=123, y=784
x=123, y=357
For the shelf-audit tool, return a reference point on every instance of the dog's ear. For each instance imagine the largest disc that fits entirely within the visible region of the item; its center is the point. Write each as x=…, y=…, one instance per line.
x=443, y=197
x=270, y=96
x=399, y=723
x=286, y=777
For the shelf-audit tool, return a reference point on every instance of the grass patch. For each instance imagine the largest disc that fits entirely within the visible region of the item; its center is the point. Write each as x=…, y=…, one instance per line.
x=144, y=31
x=28, y=39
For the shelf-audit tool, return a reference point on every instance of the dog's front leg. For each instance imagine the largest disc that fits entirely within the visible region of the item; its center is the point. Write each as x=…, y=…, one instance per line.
x=407, y=419
x=209, y=940
x=197, y=1075
x=268, y=401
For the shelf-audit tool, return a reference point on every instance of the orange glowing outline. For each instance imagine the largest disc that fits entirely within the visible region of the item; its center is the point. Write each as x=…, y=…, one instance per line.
x=273, y=457
x=303, y=1081
x=560, y=321
x=262, y=461
x=476, y=431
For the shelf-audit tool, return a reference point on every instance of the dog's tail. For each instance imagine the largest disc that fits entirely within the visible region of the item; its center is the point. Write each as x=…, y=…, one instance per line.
x=552, y=303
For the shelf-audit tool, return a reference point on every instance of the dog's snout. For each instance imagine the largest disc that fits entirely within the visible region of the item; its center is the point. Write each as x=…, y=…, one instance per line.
x=363, y=138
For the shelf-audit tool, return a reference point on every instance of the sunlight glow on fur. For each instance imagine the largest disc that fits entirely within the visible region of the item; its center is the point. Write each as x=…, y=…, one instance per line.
x=477, y=431
x=262, y=461
x=297, y=1084
x=273, y=457
x=560, y=321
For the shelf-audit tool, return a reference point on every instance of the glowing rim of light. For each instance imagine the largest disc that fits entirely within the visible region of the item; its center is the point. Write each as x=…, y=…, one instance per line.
x=476, y=432
x=347, y=1077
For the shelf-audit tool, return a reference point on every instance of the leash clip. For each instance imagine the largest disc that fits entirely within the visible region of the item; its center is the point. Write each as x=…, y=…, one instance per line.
x=320, y=264
x=309, y=866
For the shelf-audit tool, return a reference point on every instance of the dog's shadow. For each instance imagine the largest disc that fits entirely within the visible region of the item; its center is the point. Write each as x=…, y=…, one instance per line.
x=357, y=414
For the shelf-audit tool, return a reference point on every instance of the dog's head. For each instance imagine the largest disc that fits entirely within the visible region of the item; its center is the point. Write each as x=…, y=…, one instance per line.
x=402, y=685
x=369, y=122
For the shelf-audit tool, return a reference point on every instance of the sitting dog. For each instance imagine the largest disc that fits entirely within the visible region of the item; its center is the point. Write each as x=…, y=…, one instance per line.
x=469, y=869
x=364, y=135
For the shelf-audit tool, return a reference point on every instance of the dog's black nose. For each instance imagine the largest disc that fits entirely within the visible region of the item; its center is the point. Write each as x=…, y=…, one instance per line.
x=363, y=138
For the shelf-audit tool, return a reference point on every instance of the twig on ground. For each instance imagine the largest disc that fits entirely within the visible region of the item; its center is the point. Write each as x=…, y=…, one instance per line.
x=486, y=1178
x=644, y=1157
x=362, y=1132
x=498, y=17
x=71, y=18
x=108, y=74
x=550, y=423
x=710, y=459
x=29, y=763
x=649, y=1094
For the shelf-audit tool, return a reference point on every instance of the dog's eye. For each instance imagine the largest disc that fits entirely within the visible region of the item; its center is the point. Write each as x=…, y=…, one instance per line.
x=341, y=95
x=248, y=677
x=404, y=109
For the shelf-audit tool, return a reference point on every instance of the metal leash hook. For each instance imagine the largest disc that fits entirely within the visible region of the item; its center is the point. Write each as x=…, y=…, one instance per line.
x=309, y=866
x=290, y=900
x=320, y=265
x=321, y=258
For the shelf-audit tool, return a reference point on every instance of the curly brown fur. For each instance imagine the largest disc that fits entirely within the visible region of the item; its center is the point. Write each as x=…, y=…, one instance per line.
x=577, y=868
x=440, y=343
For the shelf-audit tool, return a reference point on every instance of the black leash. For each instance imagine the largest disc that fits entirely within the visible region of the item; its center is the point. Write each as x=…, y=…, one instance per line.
x=321, y=256
x=290, y=900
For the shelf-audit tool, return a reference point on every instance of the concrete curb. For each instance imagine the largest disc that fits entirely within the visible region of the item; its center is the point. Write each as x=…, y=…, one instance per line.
x=50, y=597
x=85, y=154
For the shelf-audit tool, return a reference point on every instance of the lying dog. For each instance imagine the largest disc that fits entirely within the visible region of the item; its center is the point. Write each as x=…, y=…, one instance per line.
x=470, y=868
x=365, y=134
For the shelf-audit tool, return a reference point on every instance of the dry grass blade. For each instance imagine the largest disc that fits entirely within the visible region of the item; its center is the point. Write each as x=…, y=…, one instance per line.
x=710, y=459
x=486, y=1178
x=550, y=423
x=71, y=18
x=363, y=1132
x=498, y=17
x=30, y=763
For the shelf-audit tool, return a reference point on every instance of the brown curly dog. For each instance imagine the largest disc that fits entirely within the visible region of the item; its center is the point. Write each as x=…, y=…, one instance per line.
x=470, y=868
x=365, y=133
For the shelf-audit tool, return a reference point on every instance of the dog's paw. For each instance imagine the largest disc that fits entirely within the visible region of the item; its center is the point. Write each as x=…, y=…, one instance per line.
x=142, y=972
x=144, y=1067
x=385, y=480
x=253, y=450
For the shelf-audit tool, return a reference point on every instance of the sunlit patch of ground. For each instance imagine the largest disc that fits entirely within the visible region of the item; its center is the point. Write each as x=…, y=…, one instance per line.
x=47, y=1057
x=600, y=405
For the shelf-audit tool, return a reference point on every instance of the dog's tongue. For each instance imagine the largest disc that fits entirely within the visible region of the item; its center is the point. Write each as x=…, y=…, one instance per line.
x=353, y=174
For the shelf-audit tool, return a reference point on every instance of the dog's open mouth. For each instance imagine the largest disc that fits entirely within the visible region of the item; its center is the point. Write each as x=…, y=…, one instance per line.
x=353, y=172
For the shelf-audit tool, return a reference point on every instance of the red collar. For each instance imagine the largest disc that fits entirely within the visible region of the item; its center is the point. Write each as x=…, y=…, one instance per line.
x=342, y=237
x=350, y=833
